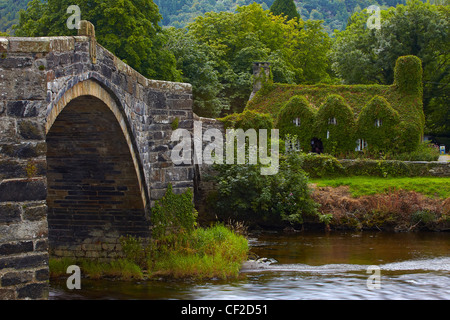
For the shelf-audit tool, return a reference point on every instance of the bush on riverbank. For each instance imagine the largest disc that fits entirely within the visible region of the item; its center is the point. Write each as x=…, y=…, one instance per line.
x=244, y=194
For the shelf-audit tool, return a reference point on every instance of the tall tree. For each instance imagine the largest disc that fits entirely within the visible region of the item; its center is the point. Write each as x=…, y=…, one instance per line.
x=128, y=28
x=296, y=49
x=363, y=55
x=286, y=8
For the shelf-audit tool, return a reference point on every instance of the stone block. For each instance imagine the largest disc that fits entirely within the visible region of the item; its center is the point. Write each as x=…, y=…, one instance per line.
x=10, y=213
x=15, y=278
x=31, y=130
x=23, y=109
x=23, y=190
x=24, y=150
x=23, y=85
x=7, y=129
x=33, y=291
x=16, y=248
x=24, y=262
x=35, y=213
x=7, y=294
x=29, y=45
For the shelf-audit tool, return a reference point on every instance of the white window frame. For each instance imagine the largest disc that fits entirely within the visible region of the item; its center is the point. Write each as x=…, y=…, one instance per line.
x=361, y=144
x=332, y=121
x=296, y=122
x=378, y=123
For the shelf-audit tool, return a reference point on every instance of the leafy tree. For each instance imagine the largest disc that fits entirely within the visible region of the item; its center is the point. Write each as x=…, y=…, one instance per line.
x=361, y=55
x=128, y=28
x=285, y=7
x=196, y=60
x=295, y=49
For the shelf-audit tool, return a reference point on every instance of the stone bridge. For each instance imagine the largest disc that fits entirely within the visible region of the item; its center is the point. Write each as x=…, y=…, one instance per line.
x=84, y=153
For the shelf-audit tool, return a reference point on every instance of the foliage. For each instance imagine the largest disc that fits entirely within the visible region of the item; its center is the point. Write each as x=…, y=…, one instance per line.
x=122, y=269
x=248, y=120
x=318, y=166
x=244, y=194
x=338, y=137
x=286, y=8
x=379, y=138
x=424, y=152
x=180, y=250
x=392, y=209
x=173, y=214
x=408, y=75
x=297, y=107
x=214, y=252
x=197, y=62
x=361, y=55
x=295, y=49
x=129, y=29
x=359, y=186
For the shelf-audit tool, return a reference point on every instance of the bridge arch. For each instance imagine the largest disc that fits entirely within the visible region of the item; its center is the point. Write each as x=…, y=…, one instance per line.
x=95, y=89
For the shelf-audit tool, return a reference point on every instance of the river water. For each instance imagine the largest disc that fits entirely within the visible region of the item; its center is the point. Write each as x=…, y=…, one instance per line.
x=305, y=266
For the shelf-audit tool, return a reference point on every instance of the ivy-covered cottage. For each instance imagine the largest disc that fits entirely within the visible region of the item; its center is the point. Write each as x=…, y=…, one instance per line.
x=343, y=118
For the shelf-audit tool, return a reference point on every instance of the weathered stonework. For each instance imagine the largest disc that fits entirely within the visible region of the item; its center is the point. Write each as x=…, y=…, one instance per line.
x=84, y=153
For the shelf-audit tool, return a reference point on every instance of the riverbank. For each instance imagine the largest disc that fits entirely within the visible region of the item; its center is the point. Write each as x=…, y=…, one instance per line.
x=397, y=204
x=206, y=253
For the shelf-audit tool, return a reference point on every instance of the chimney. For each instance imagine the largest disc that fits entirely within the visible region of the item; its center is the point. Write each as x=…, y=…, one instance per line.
x=261, y=75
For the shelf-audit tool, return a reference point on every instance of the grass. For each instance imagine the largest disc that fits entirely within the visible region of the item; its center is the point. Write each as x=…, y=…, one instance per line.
x=434, y=187
x=122, y=269
x=215, y=252
x=206, y=253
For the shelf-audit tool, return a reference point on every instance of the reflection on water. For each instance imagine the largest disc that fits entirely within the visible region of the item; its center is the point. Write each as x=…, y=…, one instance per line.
x=309, y=266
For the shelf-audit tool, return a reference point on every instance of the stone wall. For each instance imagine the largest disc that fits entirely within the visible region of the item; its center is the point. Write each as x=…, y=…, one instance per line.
x=113, y=175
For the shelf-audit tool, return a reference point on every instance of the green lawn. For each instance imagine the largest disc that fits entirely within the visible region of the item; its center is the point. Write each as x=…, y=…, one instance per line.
x=430, y=186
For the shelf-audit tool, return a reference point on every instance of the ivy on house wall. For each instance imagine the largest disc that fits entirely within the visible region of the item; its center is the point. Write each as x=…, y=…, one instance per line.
x=297, y=108
x=356, y=109
x=335, y=125
x=377, y=124
x=408, y=75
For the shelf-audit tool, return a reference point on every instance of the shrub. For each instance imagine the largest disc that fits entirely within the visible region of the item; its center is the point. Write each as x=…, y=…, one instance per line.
x=173, y=214
x=425, y=151
x=378, y=168
x=244, y=194
x=248, y=119
x=339, y=137
x=297, y=107
x=319, y=166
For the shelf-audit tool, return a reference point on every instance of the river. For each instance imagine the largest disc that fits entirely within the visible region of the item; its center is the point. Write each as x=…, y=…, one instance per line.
x=306, y=266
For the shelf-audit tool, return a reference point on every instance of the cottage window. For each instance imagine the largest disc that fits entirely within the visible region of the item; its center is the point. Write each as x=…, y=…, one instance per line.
x=378, y=123
x=361, y=144
x=332, y=121
x=296, y=122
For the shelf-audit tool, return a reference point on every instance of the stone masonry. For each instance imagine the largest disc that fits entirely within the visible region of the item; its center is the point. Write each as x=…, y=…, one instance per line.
x=84, y=153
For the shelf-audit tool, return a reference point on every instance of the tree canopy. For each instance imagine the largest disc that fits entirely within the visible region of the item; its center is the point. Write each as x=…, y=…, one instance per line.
x=286, y=8
x=365, y=56
x=128, y=28
x=295, y=49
